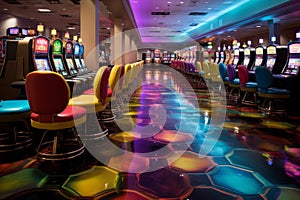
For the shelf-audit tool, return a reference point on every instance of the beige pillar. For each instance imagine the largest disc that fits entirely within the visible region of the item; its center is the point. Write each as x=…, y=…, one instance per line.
x=117, y=43
x=127, y=48
x=89, y=32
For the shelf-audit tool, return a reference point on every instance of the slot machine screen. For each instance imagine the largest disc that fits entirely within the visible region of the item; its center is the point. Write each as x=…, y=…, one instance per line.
x=30, y=32
x=294, y=60
x=71, y=67
x=259, y=51
x=76, y=49
x=271, y=53
x=42, y=64
x=236, y=56
x=41, y=45
x=247, y=57
x=78, y=64
x=222, y=56
x=59, y=66
x=14, y=31
x=24, y=32
x=83, y=64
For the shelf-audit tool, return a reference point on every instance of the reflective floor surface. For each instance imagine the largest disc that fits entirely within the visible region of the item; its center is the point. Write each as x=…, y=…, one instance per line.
x=176, y=137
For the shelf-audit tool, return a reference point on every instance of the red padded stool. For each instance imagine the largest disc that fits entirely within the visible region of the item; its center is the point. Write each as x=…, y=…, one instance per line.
x=48, y=94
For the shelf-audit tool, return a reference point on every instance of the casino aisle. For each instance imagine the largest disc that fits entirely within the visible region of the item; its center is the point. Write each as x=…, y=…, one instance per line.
x=165, y=146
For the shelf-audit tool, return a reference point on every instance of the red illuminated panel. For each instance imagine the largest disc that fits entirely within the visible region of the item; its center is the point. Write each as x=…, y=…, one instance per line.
x=294, y=48
x=69, y=48
x=31, y=32
x=41, y=45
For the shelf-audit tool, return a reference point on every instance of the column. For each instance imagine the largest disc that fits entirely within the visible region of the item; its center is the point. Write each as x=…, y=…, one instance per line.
x=117, y=43
x=89, y=32
x=274, y=30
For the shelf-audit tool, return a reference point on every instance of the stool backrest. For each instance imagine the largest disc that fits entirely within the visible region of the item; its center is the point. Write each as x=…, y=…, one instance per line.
x=222, y=70
x=114, y=76
x=230, y=72
x=243, y=74
x=263, y=77
x=101, y=84
x=47, y=92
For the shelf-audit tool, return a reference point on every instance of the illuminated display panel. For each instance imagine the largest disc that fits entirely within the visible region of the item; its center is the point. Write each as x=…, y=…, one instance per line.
x=14, y=31
x=78, y=64
x=71, y=67
x=259, y=51
x=294, y=60
x=42, y=64
x=41, y=45
x=59, y=67
x=76, y=49
x=69, y=48
x=271, y=56
x=57, y=47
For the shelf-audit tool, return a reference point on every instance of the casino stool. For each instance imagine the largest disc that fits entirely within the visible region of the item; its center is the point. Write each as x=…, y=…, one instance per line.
x=16, y=140
x=95, y=103
x=273, y=97
x=48, y=94
x=223, y=74
x=234, y=83
x=247, y=87
x=206, y=73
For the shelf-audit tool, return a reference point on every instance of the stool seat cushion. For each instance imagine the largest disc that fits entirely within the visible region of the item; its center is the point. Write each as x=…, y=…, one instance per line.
x=65, y=119
x=89, y=92
x=273, y=90
x=251, y=85
x=14, y=106
x=235, y=81
x=226, y=79
x=14, y=110
x=90, y=102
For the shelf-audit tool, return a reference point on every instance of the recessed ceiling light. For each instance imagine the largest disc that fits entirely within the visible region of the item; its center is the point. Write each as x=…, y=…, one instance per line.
x=5, y=8
x=209, y=8
x=64, y=9
x=71, y=28
x=169, y=2
x=258, y=26
x=182, y=2
x=156, y=8
x=108, y=28
x=178, y=21
x=206, y=2
x=31, y=18
x=228, y=36
x=44, y=10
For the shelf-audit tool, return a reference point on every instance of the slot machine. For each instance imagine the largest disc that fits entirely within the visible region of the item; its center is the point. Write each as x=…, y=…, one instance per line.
x=82, y=62
x=260, y=57
x=217, y=57
x=238, y=57
x=222, y=57
x=57, y=58
x=76, y=57
x=148, y=56
x=276, y=58
x=41, y=54
x=293, y=61
x=249, y=57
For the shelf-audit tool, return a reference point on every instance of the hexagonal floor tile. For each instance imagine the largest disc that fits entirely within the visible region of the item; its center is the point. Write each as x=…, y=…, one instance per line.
x=254, y=160
x=165, y=183
x=238, y=180
x=20, y=181
x=191, y=162
x=125, y=195
x=210, y=193
x=282, y=193
x=93, y=181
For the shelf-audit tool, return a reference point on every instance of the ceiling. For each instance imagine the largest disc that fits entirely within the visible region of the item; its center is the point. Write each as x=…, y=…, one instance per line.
x=163, y=21
x=64, y=15
x=175, y=20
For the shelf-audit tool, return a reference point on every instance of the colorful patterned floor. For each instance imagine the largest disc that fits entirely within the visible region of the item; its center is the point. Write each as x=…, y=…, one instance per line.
x=184, y=142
